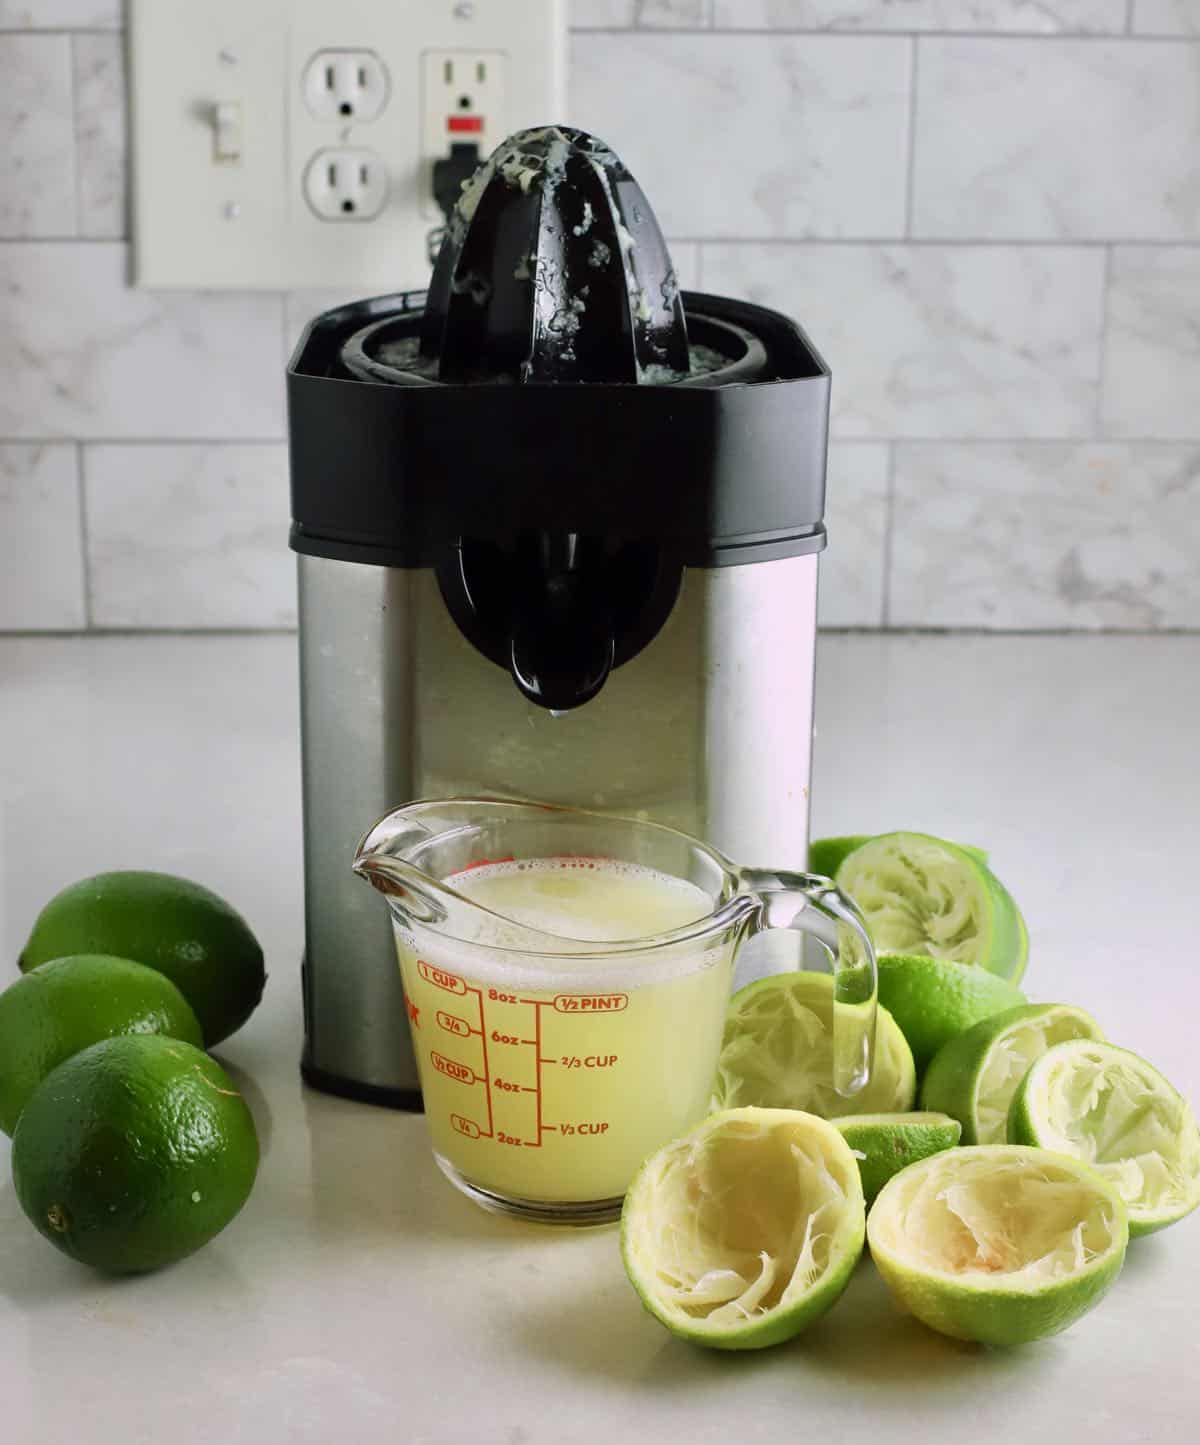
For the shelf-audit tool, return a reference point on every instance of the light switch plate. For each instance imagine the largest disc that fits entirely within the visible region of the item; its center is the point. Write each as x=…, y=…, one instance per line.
x=229, y=118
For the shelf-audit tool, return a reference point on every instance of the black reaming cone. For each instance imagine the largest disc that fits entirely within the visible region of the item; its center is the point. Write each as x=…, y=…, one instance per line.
x=553, y=269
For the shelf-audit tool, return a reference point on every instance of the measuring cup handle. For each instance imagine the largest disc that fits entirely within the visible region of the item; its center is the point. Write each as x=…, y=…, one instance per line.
x=817, y=906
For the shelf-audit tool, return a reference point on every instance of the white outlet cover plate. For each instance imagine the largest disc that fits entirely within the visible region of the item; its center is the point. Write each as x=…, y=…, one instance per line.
x=202, y=222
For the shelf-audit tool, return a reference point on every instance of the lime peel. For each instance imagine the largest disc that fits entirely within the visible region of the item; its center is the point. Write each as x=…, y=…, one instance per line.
x=777, y=1052
x=886, y=1143
x=923, y=895
x=1117, y=1113
x=973, y=1077
x=745, y=1230
x=998, y=1243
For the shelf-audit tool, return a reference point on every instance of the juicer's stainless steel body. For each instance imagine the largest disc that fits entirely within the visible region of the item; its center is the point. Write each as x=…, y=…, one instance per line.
x=708, y=728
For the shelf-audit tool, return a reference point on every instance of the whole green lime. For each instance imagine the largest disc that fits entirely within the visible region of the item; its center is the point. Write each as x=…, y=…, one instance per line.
x=134, y=1153
x=182, y=929
x=63, y=1006
x=934, y=1000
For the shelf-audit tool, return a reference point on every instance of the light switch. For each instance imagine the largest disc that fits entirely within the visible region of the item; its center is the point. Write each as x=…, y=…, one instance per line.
x=227, y=132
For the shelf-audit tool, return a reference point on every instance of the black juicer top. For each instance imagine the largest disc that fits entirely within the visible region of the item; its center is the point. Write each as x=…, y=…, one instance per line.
x=554, y=426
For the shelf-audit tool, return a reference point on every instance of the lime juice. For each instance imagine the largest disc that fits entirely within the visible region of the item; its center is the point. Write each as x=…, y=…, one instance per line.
x=549, y=1075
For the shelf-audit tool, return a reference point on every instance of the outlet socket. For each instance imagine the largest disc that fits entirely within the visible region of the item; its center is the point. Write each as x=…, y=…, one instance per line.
x=464, y=98
x=346, y=85
x=346, y=183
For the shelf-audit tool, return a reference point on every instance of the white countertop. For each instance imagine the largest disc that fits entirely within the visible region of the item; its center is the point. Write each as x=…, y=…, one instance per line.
x=358, y=1298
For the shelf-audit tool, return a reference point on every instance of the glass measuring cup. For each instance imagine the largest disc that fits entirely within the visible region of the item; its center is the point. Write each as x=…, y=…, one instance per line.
x=551, y=1066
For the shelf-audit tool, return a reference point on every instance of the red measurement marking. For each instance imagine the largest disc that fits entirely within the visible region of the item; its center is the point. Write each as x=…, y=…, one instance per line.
x=466, y=1127
x=537, y=1054
x=591, y=1126
x=439, y=978
x=487, y=1071
x=452, y=1069
x=590, y=1003
x=453, y=1024
x=589, y=1061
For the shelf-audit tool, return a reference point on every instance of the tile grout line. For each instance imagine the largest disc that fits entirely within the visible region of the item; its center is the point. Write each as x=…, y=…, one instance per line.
x=889, y=525
x=1102, y=368
x=708, y=28
x=84, y=541
x=964, y=243
x=911, y=179
x=835, y=437
x=908, y=629
x=73, y=76
x=961, y=243
x=998, y=37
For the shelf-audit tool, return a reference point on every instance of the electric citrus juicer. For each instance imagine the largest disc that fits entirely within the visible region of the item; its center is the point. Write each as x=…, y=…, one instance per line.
x=558, y=526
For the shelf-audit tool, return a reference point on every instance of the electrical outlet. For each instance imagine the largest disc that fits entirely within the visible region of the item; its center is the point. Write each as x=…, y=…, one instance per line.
x=345, y=184
x=464, y=102
x=343, y=85
x=237, y=115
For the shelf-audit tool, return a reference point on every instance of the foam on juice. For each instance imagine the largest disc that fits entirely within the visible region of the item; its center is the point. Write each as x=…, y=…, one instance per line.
x=596, y=900
x=552, y=1078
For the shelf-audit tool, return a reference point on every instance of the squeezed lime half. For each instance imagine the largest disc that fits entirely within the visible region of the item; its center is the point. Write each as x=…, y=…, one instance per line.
x=974, y=1077
x=998, y=1243
x=777, y=1052
x=923, y=895
x=1116, y=1112
x=745, y=1230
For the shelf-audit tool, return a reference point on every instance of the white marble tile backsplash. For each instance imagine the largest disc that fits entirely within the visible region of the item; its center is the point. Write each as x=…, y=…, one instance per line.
x=1037, y=17
x=1057, y=139
x=99, y=63
x=1006, y=296
x=645, y=14
x=189, y=536
x=41, y=551
x=1036, y=535
x=87, y=356
x=733, y=136
x=856, y=515
x=37, y=152
x=1166, y=17
x=939, y=341
x=1152, y=350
